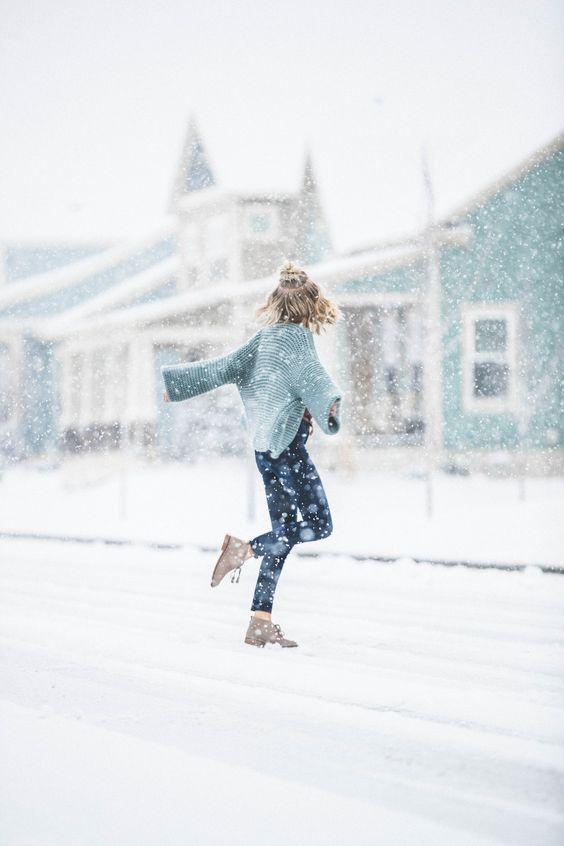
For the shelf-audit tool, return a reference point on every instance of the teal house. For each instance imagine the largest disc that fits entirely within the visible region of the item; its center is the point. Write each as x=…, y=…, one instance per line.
x=499, y=278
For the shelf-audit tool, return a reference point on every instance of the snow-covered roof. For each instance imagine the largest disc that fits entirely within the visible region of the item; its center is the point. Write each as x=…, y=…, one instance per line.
x=24, y=258
x=384, y=258
x=508, y=178
x=330, y=273
x=157, y=282
x=47, y=294
x=215, y=194
x=371, y=246
x=156, y=312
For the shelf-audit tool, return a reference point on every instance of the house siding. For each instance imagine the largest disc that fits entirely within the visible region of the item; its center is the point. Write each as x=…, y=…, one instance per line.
x=516, y=256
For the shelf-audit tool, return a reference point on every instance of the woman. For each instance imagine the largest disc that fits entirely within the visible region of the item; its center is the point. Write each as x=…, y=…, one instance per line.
x=283, y=385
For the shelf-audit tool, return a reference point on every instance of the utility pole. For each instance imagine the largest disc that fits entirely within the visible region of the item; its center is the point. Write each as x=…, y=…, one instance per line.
x=525, y=405
x=123, y=486
x=432, y=334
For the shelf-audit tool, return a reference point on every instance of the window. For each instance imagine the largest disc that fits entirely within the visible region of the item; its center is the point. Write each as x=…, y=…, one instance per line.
x=6, y=391
x=76, y=376
x=99, y=386
x=489, y=358
x=118, y=380
x=261, y=222
x=218, y=270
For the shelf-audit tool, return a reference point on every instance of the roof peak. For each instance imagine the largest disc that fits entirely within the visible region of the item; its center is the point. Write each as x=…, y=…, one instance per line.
x=309, y=183
x=533, y=160
x=194, y=171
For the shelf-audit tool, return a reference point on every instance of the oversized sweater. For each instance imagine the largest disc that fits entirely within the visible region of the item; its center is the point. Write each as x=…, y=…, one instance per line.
x=278, y=375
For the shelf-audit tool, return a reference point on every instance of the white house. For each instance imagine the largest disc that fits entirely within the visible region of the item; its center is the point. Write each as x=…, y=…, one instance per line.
x=82, y=345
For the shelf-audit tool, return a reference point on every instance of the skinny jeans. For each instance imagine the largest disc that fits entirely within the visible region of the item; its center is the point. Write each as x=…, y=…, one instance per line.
x=291, y=483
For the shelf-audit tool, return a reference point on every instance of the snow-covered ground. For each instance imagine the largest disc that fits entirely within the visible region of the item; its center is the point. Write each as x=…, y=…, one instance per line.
x=424, y=705
x=475, y=518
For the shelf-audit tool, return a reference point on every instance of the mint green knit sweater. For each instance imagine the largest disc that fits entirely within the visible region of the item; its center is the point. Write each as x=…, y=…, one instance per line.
x=277, y=373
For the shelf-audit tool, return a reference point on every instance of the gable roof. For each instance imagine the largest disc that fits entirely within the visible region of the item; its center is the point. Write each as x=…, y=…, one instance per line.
x=22, y=258
x=508, y=178
x=48, y=294
x=149, y=286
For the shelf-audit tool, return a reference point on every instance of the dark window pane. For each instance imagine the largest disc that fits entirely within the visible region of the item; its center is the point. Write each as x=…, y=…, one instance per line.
x=417, y=378
x=490, y=379
x=490, y=335
x=391, y=377
x=260, y=223
x=5, y=392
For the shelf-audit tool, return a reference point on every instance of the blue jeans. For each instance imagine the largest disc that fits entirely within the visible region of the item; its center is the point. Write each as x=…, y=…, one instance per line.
x=291, y=482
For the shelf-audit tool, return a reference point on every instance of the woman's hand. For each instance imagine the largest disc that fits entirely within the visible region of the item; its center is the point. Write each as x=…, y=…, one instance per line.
x=332, y=422
x=165, y=397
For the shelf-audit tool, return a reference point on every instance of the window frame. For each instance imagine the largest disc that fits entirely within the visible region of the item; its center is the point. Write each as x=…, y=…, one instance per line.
x=471, y=313
x=75, y=374
x=272, y=233
x=7, y=403
x=213, y=267
x=99, y=381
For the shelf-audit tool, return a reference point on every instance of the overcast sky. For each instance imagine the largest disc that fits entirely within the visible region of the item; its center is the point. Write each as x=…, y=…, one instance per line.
x=95, y=97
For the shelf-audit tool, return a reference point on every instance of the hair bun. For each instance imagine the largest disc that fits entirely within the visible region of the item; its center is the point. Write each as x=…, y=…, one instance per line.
x=291, y=274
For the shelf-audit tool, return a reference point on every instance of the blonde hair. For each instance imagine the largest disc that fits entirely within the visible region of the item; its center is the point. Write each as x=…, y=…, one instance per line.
x=298, y=299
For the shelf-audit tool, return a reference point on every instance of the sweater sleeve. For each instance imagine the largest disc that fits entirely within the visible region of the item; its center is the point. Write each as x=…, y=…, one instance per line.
x=184, y=381
x=318, y=393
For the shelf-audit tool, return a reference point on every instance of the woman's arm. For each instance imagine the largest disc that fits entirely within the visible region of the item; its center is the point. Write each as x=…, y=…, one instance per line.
x=320, y=395
x=184, y=381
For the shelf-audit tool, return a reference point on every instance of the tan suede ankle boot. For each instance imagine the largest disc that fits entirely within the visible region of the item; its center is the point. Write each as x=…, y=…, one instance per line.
x=234, y=553
x=260, y=632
